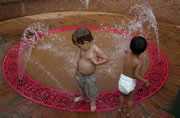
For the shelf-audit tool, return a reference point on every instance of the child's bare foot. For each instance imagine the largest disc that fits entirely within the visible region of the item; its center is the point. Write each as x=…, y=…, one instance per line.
x=77, y=99
x=128, y=115
x=125, y=112
x=120, y=110
x=178, y=26
x=93, y=106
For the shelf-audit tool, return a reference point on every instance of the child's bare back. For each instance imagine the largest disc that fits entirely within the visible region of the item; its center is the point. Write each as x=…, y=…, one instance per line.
x=132, y=65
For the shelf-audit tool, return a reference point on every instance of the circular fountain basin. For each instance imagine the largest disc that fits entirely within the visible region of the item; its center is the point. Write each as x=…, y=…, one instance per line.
x=52, y=84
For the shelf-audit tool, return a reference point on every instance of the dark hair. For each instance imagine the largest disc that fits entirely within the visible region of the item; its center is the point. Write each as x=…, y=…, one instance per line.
x=138, y=45
x=81, y=35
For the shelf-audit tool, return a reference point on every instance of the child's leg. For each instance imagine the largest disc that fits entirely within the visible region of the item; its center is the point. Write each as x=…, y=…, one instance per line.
x=93, y=105
x=130, y=101
x=129, y=104
x=91, y=91
x=79, y=98
x=121, y=99
x=81, y=83
x=124, y=103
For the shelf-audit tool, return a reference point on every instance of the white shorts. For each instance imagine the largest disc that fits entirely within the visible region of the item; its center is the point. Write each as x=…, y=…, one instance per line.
x=126, y=84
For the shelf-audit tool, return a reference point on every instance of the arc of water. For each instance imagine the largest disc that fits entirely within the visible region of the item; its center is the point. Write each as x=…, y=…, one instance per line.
x=143, y=14
x=29, y=39
x=86, y=3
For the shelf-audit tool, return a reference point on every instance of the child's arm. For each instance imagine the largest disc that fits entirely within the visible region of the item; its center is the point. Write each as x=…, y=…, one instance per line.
x=101, y=57
x=138, y=75
x=96, y=61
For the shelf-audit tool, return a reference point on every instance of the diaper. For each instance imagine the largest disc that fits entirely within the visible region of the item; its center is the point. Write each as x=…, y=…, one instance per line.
x=126, y=84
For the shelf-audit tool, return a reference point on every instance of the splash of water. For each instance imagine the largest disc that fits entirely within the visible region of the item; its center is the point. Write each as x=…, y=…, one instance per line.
x=143, y=18
x=86, y=3
x=29, y=39
x=41, y=67
x=58, y=47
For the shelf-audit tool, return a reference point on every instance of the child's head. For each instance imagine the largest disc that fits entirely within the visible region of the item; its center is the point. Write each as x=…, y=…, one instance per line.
x=138, y=45
x=82, y=37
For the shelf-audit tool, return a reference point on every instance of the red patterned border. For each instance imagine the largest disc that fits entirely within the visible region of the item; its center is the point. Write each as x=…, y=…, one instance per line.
x=157, y=74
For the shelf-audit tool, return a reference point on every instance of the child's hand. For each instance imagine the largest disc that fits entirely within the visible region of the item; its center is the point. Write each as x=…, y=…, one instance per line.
x=101, y=60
